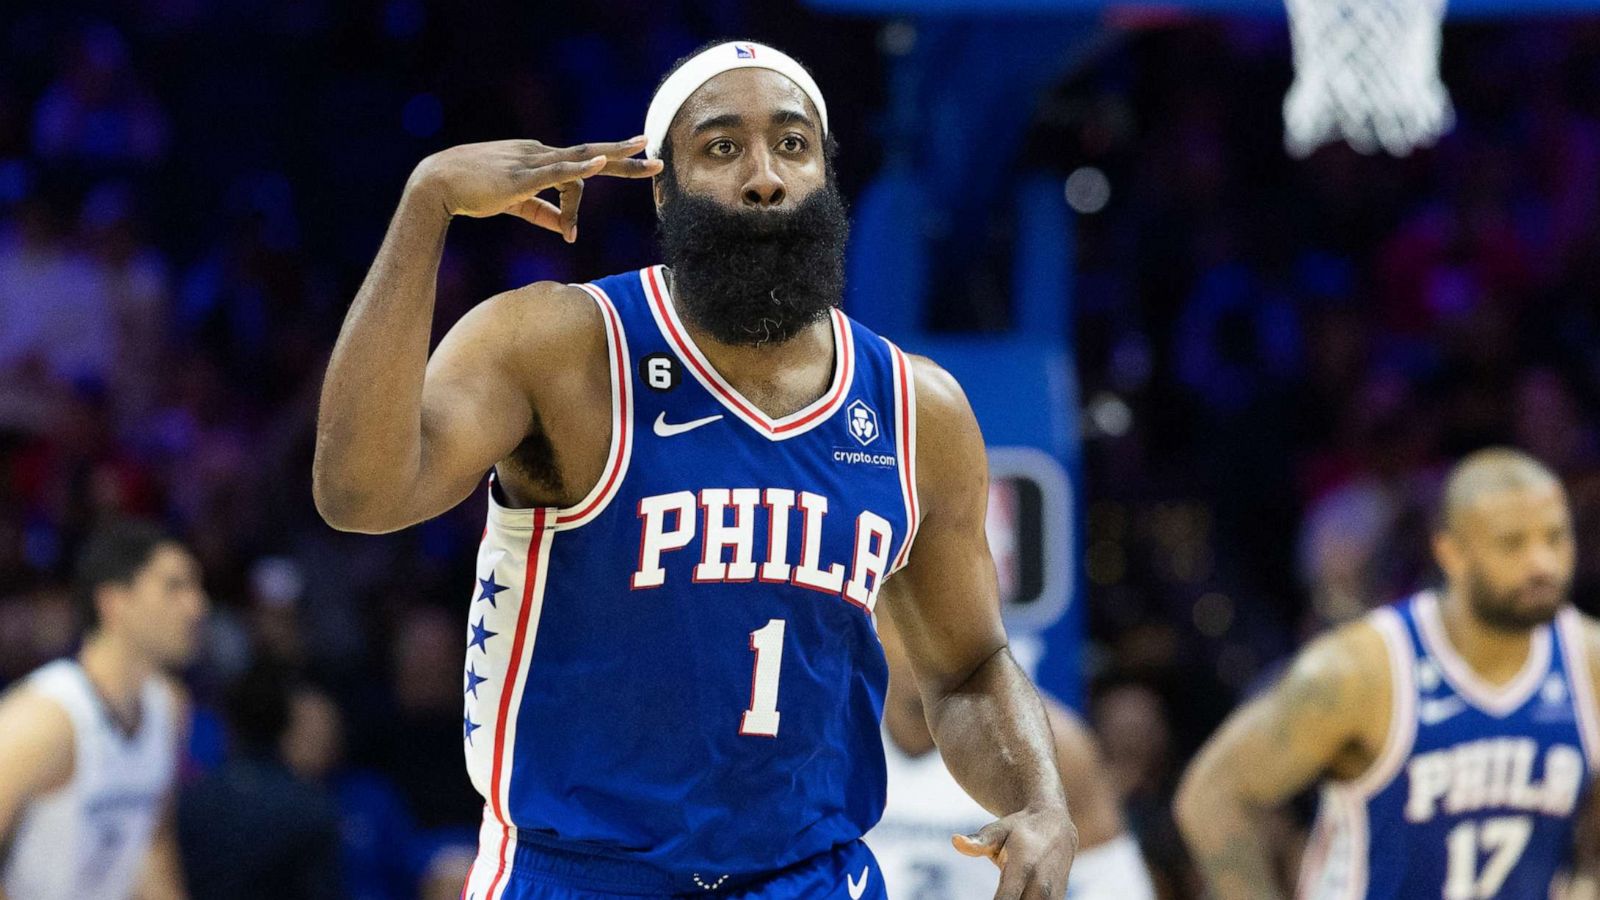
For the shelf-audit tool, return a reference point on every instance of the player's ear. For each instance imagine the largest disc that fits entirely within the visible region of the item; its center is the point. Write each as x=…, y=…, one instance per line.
x=1447, y=553
x=658, y=193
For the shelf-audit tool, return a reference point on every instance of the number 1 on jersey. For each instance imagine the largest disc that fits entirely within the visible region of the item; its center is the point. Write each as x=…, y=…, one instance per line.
x=762, y=716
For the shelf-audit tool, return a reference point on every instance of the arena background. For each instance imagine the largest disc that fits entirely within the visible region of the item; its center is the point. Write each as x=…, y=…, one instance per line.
x=1222, y=384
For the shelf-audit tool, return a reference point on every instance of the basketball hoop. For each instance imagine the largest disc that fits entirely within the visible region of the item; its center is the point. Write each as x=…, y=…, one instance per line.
x=1366, y=71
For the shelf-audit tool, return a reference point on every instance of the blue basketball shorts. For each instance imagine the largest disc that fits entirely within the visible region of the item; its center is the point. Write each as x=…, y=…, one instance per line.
x=847, y=872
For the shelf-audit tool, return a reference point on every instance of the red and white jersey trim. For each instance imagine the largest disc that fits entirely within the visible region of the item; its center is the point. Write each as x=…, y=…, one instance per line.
x=905, y=446
x=1402, y=734
x=617, y=459
x=1496, y=701
x=501, y=677
x=797, y=423
x=516, y=553
x=1335, y=863
x=1576, y=657
x=1335, y=866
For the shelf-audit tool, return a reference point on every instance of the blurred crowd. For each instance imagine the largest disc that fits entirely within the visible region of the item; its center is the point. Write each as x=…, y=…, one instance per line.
x=1280, y=359
x=1277, y=359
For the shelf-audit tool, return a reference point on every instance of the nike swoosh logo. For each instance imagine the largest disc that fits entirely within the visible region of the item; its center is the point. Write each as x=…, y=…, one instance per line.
x=665, y=429
x=857, y=888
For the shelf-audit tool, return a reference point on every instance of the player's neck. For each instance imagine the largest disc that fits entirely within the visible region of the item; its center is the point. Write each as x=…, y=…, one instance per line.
x=117, y=673
x=1494, y=654
x=750, y=365
x=907, y=725
x=757, y=360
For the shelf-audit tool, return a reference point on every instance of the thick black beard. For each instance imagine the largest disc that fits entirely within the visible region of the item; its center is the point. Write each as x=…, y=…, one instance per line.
x=1499, y=610
x=752, y=276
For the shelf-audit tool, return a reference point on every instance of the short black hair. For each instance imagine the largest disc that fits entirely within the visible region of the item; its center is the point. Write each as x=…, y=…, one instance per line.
x=114, y=553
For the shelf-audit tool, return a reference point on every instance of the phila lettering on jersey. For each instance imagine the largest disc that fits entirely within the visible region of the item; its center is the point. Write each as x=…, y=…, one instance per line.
x=680, y=672
x=1476, y=792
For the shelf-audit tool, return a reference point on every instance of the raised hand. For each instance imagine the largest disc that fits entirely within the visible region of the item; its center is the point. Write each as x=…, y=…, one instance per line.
x=498, y=177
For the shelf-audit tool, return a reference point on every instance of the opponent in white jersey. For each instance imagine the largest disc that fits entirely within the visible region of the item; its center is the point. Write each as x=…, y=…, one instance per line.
x=927, y=807
x=89, y=745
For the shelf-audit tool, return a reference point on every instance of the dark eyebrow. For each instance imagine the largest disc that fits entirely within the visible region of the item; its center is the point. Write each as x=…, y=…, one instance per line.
x=787, y=116
x=734, y=120
x=726, y=120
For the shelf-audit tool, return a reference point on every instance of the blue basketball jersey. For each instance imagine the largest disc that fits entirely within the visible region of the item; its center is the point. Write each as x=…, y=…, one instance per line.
x=1475, y=795
x=680, y=672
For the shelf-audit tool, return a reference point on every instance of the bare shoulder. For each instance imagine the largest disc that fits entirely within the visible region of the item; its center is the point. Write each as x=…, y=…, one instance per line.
x=1338, y=688
x=940, y=400
x=1589, y=628
x=25, y=709
x=545, y=315
x=952, y=466
x=545, y=341
x=36, y=741
x=1353, y=657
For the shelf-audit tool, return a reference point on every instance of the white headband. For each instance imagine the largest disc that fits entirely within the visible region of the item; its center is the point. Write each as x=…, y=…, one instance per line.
x=709, y=64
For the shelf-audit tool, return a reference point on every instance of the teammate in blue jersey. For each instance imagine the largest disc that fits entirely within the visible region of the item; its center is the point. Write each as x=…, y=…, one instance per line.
x=1454, y=733
x=702, y=480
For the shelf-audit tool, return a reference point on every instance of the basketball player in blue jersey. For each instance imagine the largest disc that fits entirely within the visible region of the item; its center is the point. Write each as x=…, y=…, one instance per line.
x=1454, y=733
x=702, y=479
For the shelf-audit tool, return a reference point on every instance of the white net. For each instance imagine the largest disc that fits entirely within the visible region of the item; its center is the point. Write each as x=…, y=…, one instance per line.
x=1366, y=71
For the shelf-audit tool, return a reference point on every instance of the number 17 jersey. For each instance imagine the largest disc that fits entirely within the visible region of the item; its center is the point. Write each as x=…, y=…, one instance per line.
x=681, y=669
x=1476, y=793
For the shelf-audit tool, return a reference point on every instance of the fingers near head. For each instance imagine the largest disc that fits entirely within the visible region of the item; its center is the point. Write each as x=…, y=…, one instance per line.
x=539, y=212
x=633, y=168
x=571, y=196
x=548, y=175
x=608, y=149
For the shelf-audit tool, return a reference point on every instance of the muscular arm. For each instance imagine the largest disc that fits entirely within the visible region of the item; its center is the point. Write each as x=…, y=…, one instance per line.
x=36, y=746
x=370, y=443
x=401, y=439
x=985, y=715
x=1272, y=749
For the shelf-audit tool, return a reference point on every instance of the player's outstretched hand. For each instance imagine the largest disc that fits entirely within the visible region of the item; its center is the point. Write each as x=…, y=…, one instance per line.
x=1033, y=849
x=497, y=177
